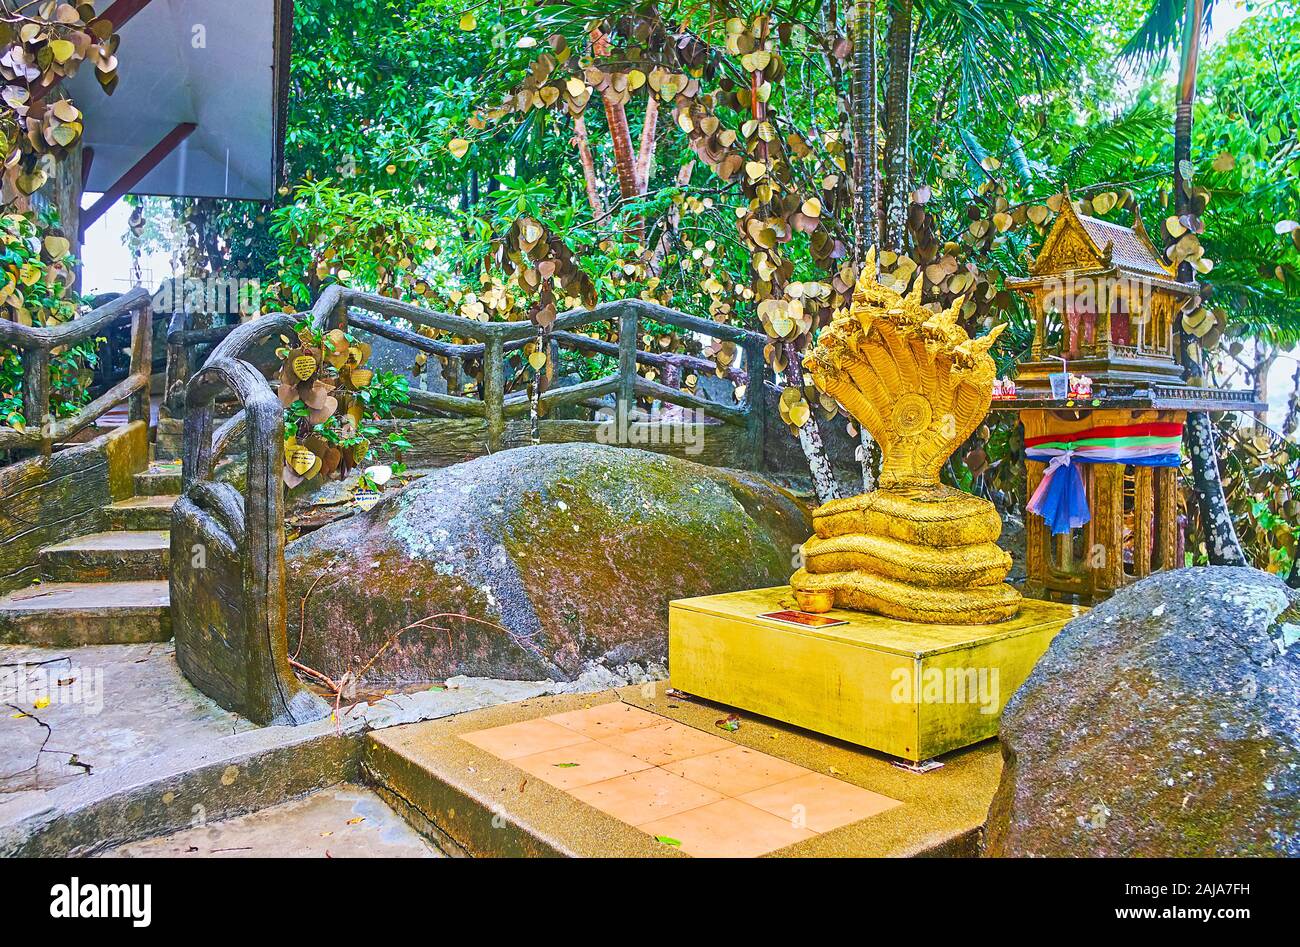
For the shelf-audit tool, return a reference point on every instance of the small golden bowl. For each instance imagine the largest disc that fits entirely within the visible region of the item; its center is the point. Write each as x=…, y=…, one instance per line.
x=818, y=601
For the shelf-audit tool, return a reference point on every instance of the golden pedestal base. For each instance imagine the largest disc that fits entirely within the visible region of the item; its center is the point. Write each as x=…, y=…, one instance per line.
x=908, y=689
x=911, y=554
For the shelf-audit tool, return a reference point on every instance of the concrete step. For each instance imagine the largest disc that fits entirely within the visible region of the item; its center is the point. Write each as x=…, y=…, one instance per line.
x=631, y=773
x=66, y=614
x=168, y=446
x=168, y=439
x=150, y=512
x=108, y=557
x=343, y=821
x=158, y=480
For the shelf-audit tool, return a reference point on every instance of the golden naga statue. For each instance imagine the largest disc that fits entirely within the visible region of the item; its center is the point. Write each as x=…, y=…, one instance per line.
x=913, y=549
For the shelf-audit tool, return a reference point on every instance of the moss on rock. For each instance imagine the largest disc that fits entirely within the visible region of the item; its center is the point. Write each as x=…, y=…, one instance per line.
x=1165, y=722
x=575, y=550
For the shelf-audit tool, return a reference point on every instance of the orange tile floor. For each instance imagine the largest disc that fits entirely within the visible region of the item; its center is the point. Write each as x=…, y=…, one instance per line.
x=708, y=795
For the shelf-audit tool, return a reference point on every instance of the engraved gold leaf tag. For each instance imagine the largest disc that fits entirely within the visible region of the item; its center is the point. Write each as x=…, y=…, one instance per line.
x=301, y=460
x=304, y=366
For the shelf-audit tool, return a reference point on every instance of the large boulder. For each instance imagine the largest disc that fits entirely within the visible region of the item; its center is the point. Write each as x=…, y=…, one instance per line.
x=545, y=562
x=1165, y=722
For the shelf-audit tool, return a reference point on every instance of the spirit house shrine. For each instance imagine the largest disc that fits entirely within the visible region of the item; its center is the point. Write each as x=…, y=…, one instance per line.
x=1103, y=401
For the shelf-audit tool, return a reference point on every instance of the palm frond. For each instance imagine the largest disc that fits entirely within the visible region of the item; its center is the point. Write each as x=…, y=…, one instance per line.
x=1159, y=32
x=1111, y=144
x=1263, y=311
x=977, y=152
x=999, y=41
x=1018, y=160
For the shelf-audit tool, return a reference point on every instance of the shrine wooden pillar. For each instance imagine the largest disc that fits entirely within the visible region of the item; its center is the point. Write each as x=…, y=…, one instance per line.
x=1105, y=300
x=1143, y=520
x=1040, y=324
x=1106, y=550
x=1036, y=537
x=1165, y=553
x=1090, y=563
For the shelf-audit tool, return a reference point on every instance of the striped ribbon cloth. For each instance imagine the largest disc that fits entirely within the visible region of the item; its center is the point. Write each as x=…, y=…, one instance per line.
x=1061, y=499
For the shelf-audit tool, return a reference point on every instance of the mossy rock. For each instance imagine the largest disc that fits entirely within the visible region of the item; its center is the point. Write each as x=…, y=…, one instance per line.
x=543, y=560
x=1165, y=722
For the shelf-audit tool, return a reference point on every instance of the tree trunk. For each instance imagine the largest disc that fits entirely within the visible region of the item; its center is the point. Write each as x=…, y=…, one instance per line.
x=866, y=178
x=646, y=158
x=621, y=136
x=535, y=394
x=1265, y=356
x=664, y=243
x=619, y=132
x=898, y=95
x=868, y=457
x=583, y=141
x=810, y=438
x=866, y=175
x=1221, y=542
x=1292, y=420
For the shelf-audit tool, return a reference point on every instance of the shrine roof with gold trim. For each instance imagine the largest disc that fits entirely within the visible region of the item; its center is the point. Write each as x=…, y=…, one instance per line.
x=1128, y=248
x=1081, y=244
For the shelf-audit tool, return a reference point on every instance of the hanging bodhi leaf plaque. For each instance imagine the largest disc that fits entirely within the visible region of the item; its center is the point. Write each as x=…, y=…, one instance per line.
x=328, y=396
x=41, y=46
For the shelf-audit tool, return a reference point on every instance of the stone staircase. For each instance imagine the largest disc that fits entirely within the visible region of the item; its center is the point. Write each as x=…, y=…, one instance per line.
x=105, y=587
x=169, y=438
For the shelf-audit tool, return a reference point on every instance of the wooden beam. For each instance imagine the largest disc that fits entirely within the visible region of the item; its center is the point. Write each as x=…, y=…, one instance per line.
x=87, y=159
x=119, y=14
x=137, y=173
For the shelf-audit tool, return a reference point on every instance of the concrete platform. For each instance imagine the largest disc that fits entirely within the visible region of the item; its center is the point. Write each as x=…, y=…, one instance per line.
x=149, y=748
x=344, y=821
x=470, y=798
x=108, y=706
x=69, y=614
x=914, y=690
x=161, y=479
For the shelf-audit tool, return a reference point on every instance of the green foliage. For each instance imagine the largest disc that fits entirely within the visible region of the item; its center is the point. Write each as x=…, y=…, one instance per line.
x=332, y=402
x=379, y=85
x=37, y=269
x=1248, y=117
x=1003, y=48
x=386, y=392
x=367, y=238
x=1162, y=25
x=41, y=45
x=1262, y=480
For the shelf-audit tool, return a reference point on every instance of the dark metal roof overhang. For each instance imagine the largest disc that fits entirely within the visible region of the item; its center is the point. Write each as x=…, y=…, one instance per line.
x=199, y=110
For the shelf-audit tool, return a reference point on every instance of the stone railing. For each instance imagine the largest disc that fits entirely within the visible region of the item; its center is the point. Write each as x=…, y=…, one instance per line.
x=182, y=340
x=494, y=340
x=36, y=344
